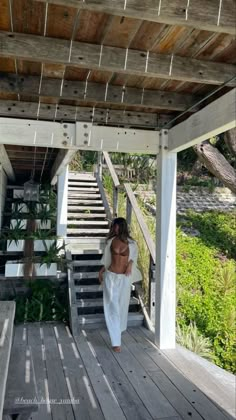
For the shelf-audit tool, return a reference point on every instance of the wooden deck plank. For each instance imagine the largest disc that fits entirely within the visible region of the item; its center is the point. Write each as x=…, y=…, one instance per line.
x=217, y=384
x=153, y=399
x=108, y=402
x=81, y=389
x=38, y=355
x=127, y=397
x=171, y=392
x=203, y=405
x=56, y=380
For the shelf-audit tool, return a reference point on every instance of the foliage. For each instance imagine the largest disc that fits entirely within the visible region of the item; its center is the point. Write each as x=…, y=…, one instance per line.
x=217, y=229
x=189, y=337
x=143, y=164
x=44, y=302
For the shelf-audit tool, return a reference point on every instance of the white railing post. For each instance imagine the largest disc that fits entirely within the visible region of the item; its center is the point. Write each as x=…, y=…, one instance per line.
x=99, y=165
x=128, y=212
x=3, y=184
x=166, y=246
x=62, y=194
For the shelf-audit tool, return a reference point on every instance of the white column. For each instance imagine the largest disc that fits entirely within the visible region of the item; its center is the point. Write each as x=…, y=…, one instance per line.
x=62, y=194
x=3, y=185
x=166, y=246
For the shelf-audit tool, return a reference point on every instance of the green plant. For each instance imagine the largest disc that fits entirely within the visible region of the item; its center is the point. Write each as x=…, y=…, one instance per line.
x=13, y=233
x=44, y=302
x=52, y=255
x=41, y=234
x=192, y=339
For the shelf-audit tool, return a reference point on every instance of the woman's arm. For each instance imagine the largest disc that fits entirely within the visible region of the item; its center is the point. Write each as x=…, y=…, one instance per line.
x=133, y=257
x=100, y=274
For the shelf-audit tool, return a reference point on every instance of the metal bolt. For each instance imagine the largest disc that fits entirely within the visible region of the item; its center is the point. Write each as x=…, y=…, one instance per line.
x=165, y=147
x=85, y=126
x=165, y=132
x=65, y=126
x=64, y=134
x=64, y=143
x=85, y=134
x=85, y=141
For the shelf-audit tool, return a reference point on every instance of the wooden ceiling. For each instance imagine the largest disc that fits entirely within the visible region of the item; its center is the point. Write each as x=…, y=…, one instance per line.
x=125, y=62
x=31, y=161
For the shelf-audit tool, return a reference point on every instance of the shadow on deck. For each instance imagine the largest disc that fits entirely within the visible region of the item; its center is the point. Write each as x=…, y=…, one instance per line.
x=83, y=379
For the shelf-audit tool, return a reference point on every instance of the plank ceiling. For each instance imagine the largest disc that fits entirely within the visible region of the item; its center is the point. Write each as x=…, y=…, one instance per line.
x=125, y=62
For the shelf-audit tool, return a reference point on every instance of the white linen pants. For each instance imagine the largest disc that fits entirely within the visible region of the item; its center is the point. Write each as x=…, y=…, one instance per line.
x=116, y=297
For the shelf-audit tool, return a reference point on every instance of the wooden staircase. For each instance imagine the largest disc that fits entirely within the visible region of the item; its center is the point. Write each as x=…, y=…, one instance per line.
x=87, y=228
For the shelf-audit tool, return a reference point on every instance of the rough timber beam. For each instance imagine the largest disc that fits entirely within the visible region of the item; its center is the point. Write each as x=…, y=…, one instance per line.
x=100, y=93
x=217, y=117
x=6, y=164
x=55, y=112
x=37, y=133
x=120, y=60
x=208, y=15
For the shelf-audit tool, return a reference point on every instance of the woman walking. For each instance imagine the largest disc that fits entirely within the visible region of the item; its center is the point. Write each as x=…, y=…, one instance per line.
x=119, y=271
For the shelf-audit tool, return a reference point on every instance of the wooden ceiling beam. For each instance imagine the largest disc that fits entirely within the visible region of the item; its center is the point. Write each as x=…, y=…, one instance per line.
x=63, y=158
x=208, y=15
x=54, y=112
x=216, y=118
x=99, y=93
x=121, y=60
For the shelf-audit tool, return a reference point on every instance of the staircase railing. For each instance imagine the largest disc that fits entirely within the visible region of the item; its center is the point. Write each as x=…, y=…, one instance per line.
x=132, y=206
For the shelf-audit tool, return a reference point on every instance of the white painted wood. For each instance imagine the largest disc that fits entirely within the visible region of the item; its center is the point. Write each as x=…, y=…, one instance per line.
x=40, y=224
x=114, y=139
x=166, y=246
x=5, y=162
x=63, y=158
x=17, y=269
x=3, y=184
x=217, y=117
x=62, y=196
x=19, y=247
x=37, y=133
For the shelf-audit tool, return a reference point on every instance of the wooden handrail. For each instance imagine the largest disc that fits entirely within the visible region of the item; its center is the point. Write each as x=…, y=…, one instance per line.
x=115, y=179
x=141, y=221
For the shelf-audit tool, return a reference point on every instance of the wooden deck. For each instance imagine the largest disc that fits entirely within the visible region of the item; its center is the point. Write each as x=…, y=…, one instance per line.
x=83, y=379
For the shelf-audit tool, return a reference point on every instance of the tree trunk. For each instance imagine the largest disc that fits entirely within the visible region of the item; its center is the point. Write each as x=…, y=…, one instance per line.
x=216, y=163
x=230, y=140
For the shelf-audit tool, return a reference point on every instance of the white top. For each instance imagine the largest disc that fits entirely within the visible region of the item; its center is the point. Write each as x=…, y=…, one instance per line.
x=133, y=255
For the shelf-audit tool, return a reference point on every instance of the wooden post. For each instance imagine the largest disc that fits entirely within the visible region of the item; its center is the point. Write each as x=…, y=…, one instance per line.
x=99, y=165
x=62, y=195
x=128, y=212
x=166, y=246
x=115, y=201
x=152, y=290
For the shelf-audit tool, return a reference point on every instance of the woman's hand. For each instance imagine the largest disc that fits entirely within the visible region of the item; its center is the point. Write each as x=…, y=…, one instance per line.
x=129, y=268
x=100, y=275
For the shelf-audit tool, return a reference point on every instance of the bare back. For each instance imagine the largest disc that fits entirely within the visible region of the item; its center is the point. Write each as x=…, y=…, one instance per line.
x=119, y=256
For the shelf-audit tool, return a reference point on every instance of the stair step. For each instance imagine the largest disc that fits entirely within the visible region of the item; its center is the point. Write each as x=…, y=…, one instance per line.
x=86, y=208
x=92, y=288
x=92, y=303
x=82, y=263
x=88, y=275
x=134, y=319
x=83, y=189
x=82, y=184
x=78, y=201
x=81, y=177
x=86, y=216
x=88, y=222
x=88, y=195
x=87, y=231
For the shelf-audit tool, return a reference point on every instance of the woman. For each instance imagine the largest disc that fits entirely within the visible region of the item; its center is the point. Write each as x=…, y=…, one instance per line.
x=119, y=271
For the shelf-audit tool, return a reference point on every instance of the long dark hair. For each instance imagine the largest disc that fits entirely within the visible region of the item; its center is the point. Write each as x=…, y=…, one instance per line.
x=123, y=234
